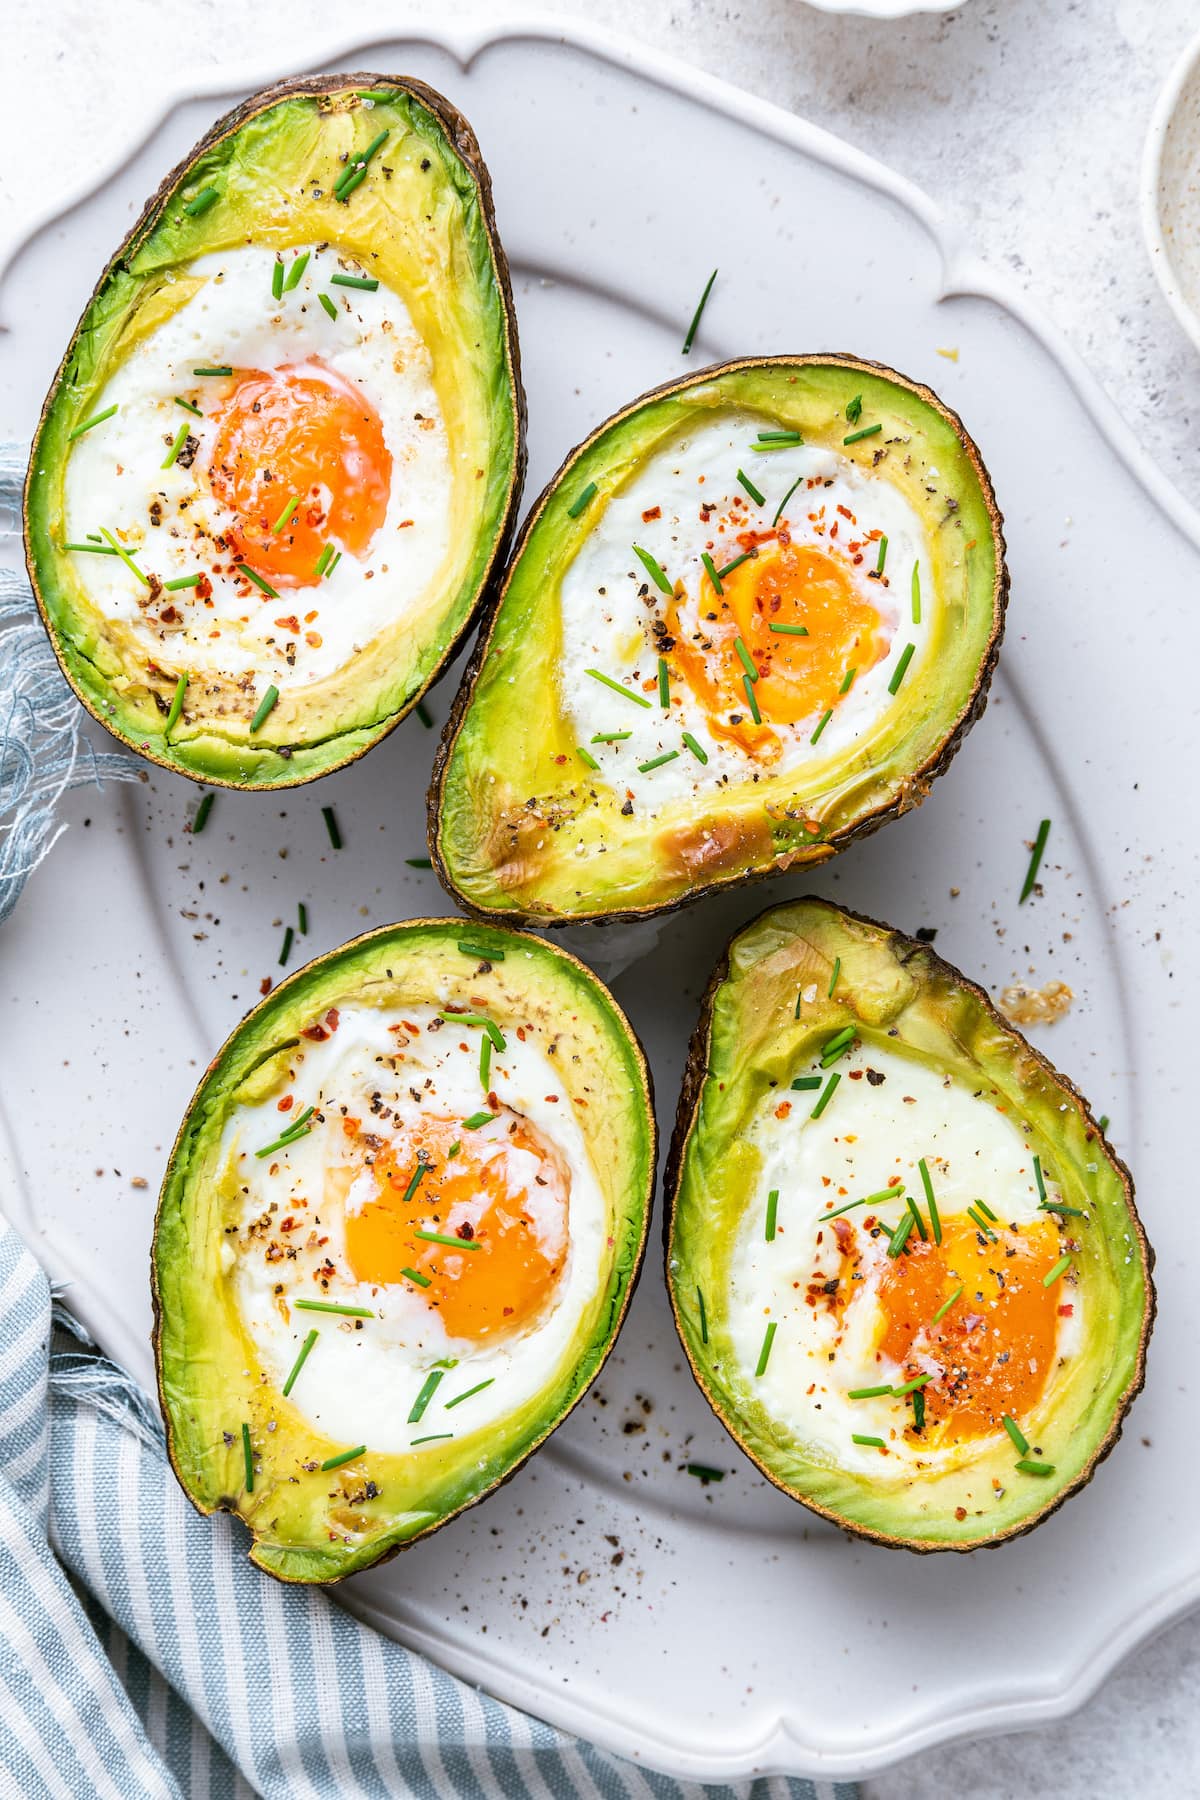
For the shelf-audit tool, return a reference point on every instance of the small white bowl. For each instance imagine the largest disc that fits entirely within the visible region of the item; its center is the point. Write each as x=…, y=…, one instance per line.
x=1171, y=190
x=886, y=9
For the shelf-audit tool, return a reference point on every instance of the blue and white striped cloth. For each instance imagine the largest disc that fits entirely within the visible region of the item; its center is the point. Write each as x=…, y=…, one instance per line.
x=143, y=1657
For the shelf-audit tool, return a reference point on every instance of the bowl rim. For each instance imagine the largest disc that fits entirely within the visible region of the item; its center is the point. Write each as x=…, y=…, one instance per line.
x=1186, y=65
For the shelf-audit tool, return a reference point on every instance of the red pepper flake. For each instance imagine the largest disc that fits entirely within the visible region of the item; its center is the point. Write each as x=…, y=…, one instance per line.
x=552, y=1099
x=654, y=512
x=521, y=1033
x=265, y=985
x=783, y=1110
x=1067, y=1311
x=286, y=1104
x=960, y=1512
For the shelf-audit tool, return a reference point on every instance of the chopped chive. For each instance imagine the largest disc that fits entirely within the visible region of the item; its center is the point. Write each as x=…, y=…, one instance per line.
x=697, y=750
x=656, y=762
x=703, y=1473
x=638, y=699
x=1039, y=1178
x=789, y=630
x=124, y=555
x=611, y=737
x=871, y=1393
x=428, y=1388
x=1035, y=861
x=746, y=556
x=300, y=1361
x=784, y=501
x=334, y=1306
x=703, y=1316
x=177, y=443
x=248, y=1458
x=331, y=826
x=416, y=1275
x=833, y=979
x=1028, y=1466
x=453, y=1243
x=323, y=561
x=1060, y=1268
x=918, y=1221
x=335, y=1462
x=356, y=167
x=419, y=862
x=328, y=304
x=285, y=515
x=713, y=574
x=176, y=706
x=934, y=1216
x=883, y=543
x=485, y=1062
x=259, y=581
x=695, y=324
x=1016, y=1434
x=217, y=369
x=900, y=669
x=854, y=409
x=744, y=657
x=202, y=812
x=287, y=1138
x=296, y=272
x=900, y=1235
x=758, y=498
x=916, y=594
x=367, y=283
x=751, y=702
x=944, y=1308
x=1103, y=1122
x=483, y=1117
x=181, y=581
x=777, y=440
x=764, y=1355
x=847, y=681
x=872, y=1443
x=477, y=1389
x=866, y=432
x=277, y=280
x=1056, y=1206
x=772, y=1208
x=654, y=569
x=93, y=549
x=918, y=1401
x=415, y=1180
x=824, y=720
x=799, y=998
x=978, y=1219
x=837, y=1047
x=96, y=419
x=826, y=1095
x=803, y=1083
x=286, y=951
x=200, y=203
x=893, y=1193
x=434, y=1437
x=264, y=707
x=583, y=500
x=664, y=683
x=423, y=713
x=469, y=949
x=911, y=1387
x=986, y=1210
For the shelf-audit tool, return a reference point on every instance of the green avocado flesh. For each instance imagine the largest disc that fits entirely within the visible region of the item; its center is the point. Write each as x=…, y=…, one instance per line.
x=832, y=1057
x=244, y=1244
x=410, y=232
x=556, y=798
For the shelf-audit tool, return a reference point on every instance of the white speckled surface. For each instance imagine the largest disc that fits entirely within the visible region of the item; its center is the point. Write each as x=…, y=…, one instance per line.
x=1025, y=121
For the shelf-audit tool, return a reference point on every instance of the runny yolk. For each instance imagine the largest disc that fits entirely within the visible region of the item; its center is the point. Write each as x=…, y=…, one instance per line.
x=301, y=433
x=505, y=1191
x=996, y=1344
x=799, y=677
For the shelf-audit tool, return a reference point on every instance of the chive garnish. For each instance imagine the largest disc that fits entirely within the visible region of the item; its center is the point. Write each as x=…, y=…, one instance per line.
x=1016, y=1434
x=469, y=949
x=883, y=543
x=176, y=706
x=452, y=1243
x=328, y=304
x=872, y=1443
x=744, y=657
x=181, y=581
x=664, y=683
x=300, y=1361
x=854, y=409
x=986, y=1210
x=367, y=283
x=416, y=1275
x=838, y=1046
x=611, y=737
x=264, y=707
x=335, y=1462
x=916, y=594
x=784, y=501
x=694, y=326
x=833, y=979
x=703, y=1316
x=911, y=1387
x=1035, y=861
x=918, y=1221
x=822, y=723
x=918, y=1401
x=737, y=562
x=697, y=750
x=934, y=1215
x=803, y=1083
x=871, y=1393
x=296, y=272
x=323, y=561
x=423, y=713
x=119, y=550
x=638, y=699
x=799, y=998
x=489, y=1025
x=428, y=1389
x=758, y=498
x=356, y=168
x=217, y=369
x=654, y=569
x=419, y=862
x=1039, y=1178
x=260, y=581
x=790, y=630
x=1028, y=1466
x=292, y=1135
x=485, y=1062
x=892, y=1193
x=93, y=549
x=1103, y=1122
x=713, y=574
x=334, y=1306
x=656, y=762
x=477, y=1389
x=285, y=515
x=847, y=681
x=277, y=280
x=415, y=1180
x=286, y=951
x=248, y=1458
x=772, y=1208
x=202, y=812
x=900, y=669
x=944, y=1308
x=483, y=1117
x=866, y=432
x=900, y=1235
x=331, y=826
x=1060, y=1268
x=200, y=203
x=825, y=1096
x=751, y=702
x=96, y=419
x=585, y=756
x=777, y=440
x=177, y=443
x=703, y=1473
x=978, y=1219
x=583, y=500
x=764, y=1355
x=434, y=1437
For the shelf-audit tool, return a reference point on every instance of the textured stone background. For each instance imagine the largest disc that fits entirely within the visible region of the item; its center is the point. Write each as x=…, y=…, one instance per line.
x=1025, y=119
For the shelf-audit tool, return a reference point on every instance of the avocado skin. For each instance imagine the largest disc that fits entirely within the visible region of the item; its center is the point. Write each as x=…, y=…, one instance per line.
x=322, y=1563
x=909, y=793
x=252, y=764
x=929, y=968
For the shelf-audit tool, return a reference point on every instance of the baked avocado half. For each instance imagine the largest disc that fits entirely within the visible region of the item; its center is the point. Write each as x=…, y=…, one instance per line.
x=281, y=456
x=905, y=1264
x=397, y=1235
x=749, y=620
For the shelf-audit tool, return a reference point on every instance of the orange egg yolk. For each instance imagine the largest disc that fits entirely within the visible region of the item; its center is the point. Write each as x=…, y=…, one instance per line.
x=307, y=434
x=503, y=1197
x=800, y=677
x=996, y=1343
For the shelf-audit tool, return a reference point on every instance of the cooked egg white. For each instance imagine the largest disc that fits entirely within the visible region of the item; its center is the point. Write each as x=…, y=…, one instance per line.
x=332, y=1218
x=346, y=421
x=817, y=536
x=875, y=1324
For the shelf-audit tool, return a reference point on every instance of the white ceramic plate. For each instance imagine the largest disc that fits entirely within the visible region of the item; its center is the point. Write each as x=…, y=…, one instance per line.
x=885, y=9
x=711, y=1632
x=1171, y=190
